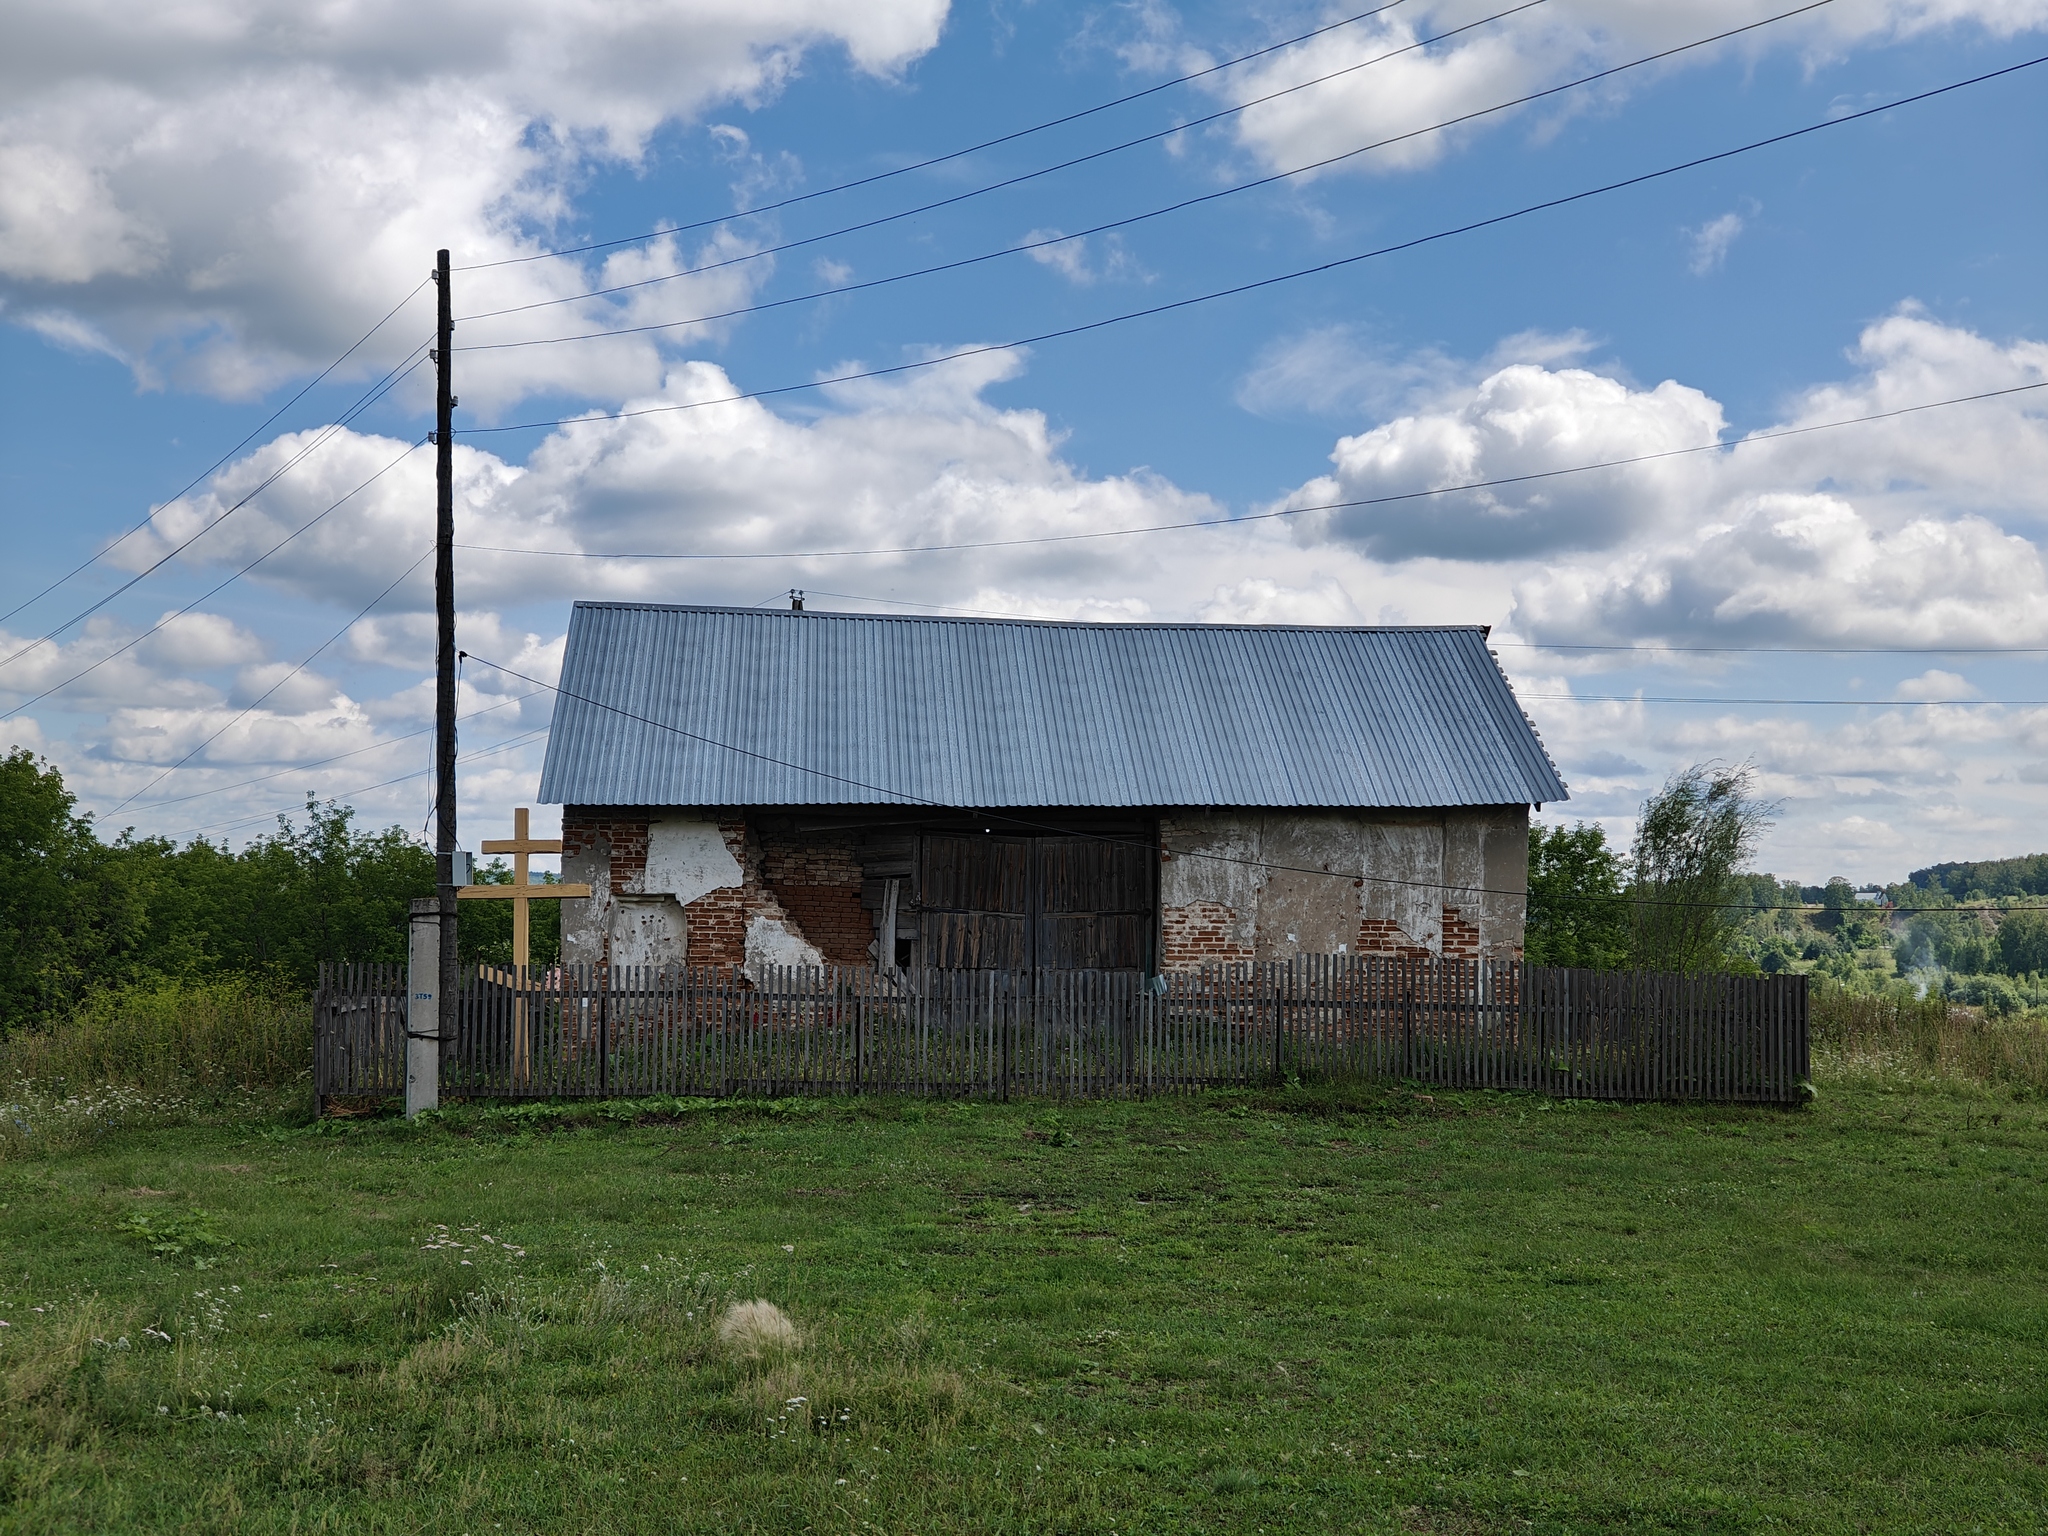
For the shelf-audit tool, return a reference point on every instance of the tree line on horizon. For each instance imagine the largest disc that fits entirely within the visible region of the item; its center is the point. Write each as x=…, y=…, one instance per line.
x=81, y=914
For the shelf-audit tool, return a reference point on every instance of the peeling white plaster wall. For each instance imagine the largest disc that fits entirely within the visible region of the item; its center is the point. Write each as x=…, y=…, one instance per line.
x=1473, y=860
x=687, y=859
x=586, y=923
x=1309, y=903
x=771, y=943
x=1410, y=852
x=648, y=930
x=1229, y=877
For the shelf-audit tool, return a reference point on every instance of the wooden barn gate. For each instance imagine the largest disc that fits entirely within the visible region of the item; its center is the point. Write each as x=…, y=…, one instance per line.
x=623, y=1032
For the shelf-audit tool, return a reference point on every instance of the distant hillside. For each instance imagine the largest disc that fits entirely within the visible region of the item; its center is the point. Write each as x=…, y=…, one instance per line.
x=2025, y=876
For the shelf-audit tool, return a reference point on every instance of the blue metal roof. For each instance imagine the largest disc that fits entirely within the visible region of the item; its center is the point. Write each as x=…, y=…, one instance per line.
x=664, y=705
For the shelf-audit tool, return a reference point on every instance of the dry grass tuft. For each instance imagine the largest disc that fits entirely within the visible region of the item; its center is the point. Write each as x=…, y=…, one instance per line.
x=757, y=1330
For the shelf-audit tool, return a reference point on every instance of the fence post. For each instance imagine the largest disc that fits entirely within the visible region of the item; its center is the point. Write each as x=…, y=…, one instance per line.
x=604, y=1037
x=320, y=1032
x=1279, y=1006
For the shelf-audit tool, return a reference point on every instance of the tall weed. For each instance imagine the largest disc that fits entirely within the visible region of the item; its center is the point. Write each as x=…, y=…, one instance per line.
x=1861, y=1035
x=152, y=1055
x=228, y=1033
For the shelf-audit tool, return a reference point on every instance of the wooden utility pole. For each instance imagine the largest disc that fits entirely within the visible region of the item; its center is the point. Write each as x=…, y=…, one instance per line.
x=444, y=648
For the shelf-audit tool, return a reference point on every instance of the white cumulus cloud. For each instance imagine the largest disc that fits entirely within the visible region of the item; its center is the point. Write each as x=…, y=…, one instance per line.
x=225, y=191
x=1524, y=53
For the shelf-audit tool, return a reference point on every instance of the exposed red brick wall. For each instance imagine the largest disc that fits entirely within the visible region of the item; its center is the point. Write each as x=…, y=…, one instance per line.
x=585, y=828
x=832, y=918
x=1383, y=936
x=715, y=928
x=1198, y=934
x=1461, y=939
x=810, y=884
x=816, y=878
x=809, y=858
x=715, y=924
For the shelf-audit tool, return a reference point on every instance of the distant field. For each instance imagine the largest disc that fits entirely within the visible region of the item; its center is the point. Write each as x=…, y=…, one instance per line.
x=1273, y=1313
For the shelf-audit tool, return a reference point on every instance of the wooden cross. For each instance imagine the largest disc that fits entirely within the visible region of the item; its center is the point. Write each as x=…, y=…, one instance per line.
x=521, y=892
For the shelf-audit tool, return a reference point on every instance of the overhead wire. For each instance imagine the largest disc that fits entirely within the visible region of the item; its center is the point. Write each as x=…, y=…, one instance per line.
x=1257, y=284
x=230, y=823
x=1634, y=698
x=1255, y=517
x=322, y=762
x=1029, y=246
x=180, y=613
x=1010, y=818
x=950, y=155
x=1777, y=650
x=1158, y=309
x=256, y=702
x=264, y=426
x=1011, y=181
x=326, y=435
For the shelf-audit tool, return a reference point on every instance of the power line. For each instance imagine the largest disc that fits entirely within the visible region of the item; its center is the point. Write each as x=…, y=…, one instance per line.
x=1779, y=650
x=258, y=700
x=322, y=762
x=327, y=435
x=1011, y=819
x=1257, y=284
x=217, y=587
x=1064, y=165
x=923, y=165
x=1257, y=517
x=1081, y=234
x=1636, y=698
x=230, y=824
x=217, y=463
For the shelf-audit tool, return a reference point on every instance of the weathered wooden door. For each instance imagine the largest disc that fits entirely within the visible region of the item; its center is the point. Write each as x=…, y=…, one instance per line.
x=1093, y=907
x=1023, y=903
x=975, y=893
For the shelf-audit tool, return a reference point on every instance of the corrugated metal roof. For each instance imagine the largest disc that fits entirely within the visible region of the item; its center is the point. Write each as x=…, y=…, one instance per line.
x=664, y=705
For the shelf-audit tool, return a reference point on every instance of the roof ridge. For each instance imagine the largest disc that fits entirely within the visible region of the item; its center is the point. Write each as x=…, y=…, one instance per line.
x=763, y=612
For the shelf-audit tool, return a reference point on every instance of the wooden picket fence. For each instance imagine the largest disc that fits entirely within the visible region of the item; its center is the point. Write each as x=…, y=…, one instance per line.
x=624, y=1032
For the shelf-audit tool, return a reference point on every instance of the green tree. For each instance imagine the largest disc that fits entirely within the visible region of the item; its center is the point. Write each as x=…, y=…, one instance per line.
x=77, y=913
x=2023, y=942
x=69, y=911
x=1952, y=941
x=1692, y=839
x=1578, y=915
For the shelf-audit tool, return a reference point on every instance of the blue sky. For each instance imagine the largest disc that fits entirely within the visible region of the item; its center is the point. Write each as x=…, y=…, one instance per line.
x=206, y=206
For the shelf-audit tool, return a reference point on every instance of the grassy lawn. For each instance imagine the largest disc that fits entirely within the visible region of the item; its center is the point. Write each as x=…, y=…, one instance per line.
x=1282, y=1312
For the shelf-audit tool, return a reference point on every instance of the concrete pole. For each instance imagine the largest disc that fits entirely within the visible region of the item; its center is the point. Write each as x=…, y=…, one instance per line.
x=423, y=1010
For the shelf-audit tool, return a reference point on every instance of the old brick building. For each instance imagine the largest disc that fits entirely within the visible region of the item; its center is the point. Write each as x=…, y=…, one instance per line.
x=748, y=787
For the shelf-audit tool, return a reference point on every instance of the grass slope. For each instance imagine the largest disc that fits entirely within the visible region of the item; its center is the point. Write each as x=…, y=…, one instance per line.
x=1272, y=1313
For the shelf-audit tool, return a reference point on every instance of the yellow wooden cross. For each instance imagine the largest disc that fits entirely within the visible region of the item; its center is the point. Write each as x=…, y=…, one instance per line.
x=521, y=893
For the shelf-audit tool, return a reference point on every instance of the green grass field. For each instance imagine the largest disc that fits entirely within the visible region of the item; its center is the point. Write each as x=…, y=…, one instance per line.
x=1257, y=1312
